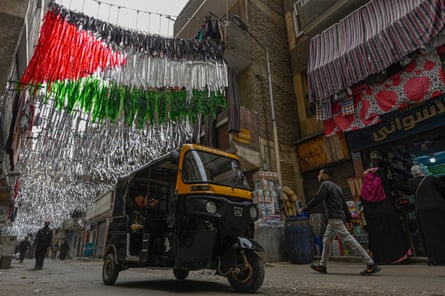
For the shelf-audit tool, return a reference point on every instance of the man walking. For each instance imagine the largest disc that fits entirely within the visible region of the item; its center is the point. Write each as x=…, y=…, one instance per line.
x=43, y=242
x=337, y=213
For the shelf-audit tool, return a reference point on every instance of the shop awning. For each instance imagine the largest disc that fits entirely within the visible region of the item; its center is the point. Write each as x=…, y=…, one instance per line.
x=368, y=41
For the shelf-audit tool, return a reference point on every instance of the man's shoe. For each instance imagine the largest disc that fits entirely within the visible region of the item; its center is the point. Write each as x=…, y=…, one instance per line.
x=320, y=268
x=371, y=269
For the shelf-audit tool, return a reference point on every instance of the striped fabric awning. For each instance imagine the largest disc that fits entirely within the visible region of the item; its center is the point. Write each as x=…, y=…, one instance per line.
x=368, y=41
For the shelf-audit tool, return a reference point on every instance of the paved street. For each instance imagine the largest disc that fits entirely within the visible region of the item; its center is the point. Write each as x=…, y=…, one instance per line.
x=83, y=277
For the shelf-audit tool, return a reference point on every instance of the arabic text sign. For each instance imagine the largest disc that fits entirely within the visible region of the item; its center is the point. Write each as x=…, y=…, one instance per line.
x=399, y=124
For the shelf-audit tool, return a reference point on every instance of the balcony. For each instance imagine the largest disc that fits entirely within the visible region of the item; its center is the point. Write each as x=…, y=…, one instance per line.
x=192, y=16
x=237, y=42
x=317, y=15
x=237, y=52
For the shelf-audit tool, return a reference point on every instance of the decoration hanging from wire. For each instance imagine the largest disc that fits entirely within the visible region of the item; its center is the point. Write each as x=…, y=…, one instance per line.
x=81, y=158
x=99, y=66
x=104, y=101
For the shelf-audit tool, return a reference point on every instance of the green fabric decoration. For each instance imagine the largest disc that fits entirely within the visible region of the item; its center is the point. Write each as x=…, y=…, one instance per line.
x=108, y=100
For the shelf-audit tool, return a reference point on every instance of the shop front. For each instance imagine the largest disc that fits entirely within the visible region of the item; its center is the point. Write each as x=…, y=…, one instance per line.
x=384, y=90
x=407, y=137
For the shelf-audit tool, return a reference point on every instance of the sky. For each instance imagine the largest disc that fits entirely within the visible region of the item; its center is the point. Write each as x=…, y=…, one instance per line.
x=153, y=17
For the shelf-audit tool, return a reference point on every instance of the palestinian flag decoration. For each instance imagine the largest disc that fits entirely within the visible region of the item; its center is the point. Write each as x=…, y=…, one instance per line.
x=110, y=72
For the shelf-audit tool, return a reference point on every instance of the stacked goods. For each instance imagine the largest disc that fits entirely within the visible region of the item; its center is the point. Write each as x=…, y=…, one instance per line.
x=289, y=201
x=266, y=195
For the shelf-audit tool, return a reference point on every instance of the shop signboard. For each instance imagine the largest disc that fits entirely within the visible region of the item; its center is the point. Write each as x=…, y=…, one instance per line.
x=316, y=152
x=399, y=124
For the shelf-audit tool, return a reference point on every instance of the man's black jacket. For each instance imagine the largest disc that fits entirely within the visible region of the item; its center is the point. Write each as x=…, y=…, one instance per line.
x=332, y=196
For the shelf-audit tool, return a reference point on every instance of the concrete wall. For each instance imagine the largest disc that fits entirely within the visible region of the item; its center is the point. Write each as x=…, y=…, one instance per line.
x=272, y=239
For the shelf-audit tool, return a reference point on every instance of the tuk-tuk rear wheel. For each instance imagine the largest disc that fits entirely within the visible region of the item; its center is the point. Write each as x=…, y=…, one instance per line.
x=180, y=274
x=110, y=270
x=249, y=278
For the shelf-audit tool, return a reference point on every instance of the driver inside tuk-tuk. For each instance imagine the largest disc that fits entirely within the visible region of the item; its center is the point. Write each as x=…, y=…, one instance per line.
x=140, y=211
x=138, y=216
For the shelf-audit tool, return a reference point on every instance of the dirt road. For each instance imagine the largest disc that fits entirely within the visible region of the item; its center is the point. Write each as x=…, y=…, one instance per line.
x=83, y=277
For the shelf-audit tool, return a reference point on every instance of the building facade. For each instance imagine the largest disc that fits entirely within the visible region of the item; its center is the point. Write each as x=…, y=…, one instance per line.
x=246, y=128
x=19, y=28
x=371, y=82
x=304, y=20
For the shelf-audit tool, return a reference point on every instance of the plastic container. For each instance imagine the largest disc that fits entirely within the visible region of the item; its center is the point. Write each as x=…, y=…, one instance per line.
x=300, y=240
x=318, y=244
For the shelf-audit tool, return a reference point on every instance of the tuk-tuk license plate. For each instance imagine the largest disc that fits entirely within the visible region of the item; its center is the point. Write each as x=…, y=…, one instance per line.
x=238, y=212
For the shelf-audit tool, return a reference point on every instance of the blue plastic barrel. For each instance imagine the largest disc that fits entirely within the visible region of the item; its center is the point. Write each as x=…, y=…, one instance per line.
x=300, y=240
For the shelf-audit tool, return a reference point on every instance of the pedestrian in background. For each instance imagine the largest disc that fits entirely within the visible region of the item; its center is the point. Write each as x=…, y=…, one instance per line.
x=430, y=213
x=337, y=213
x=55, y=249
x=24, y=247
x=387, y=240
x=64, y=248
x=43, y=241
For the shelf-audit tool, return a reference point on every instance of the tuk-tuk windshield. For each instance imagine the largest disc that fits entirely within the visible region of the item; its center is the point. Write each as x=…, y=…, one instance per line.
x=205, y=167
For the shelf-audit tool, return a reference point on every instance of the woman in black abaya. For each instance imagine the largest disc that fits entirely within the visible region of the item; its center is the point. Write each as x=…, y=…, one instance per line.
x=387, y=240
x=430, y=213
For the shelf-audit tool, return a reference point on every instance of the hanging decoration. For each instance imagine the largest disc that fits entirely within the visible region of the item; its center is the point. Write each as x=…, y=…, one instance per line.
x=70, y=158
x=104, y=100
x=109, y=71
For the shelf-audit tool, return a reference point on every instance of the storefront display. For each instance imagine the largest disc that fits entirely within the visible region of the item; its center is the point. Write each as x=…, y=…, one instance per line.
x=399, y=157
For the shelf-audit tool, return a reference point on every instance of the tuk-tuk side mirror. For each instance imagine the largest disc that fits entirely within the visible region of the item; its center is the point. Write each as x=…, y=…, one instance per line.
x=174, y=156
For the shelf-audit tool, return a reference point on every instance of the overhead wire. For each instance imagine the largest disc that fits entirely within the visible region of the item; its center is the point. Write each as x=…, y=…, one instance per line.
x=168, y=17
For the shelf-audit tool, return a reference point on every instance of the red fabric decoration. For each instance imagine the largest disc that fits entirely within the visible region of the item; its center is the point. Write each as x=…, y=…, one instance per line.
x=57, y=59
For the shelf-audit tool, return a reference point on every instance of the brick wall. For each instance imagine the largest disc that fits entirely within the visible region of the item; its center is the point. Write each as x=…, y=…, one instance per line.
x=266, y=22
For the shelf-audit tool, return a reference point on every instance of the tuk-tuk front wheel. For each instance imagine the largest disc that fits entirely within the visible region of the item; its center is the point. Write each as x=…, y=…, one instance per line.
x=110, y=270
x=180, y=274
x=249, y=275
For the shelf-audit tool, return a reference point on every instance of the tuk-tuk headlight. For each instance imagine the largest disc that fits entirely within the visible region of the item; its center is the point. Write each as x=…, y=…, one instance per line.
x=253, y=212
x=211, y=207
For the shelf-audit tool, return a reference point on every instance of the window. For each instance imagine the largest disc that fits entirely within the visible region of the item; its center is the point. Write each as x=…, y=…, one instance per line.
x=297, y=17
x=204, y=167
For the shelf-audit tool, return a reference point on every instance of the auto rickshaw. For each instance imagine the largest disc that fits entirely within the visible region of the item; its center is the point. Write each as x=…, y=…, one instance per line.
x=205, y=219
